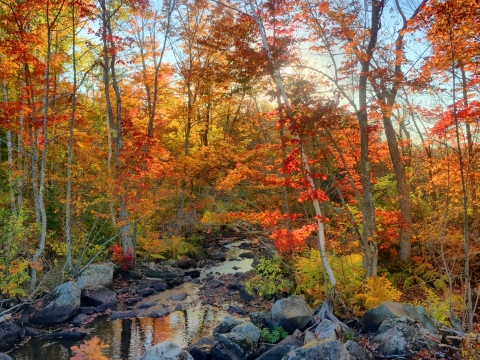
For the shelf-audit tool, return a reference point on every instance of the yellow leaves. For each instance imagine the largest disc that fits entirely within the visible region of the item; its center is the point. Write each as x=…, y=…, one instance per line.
x=90, y=350
x=377, y=290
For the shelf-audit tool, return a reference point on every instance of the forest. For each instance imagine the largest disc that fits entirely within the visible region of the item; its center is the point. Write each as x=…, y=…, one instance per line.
x=345, y=133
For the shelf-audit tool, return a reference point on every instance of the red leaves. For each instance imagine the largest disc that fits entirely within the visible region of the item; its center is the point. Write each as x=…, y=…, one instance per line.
x=309, y=195
x=291, y=240
x=118, y=256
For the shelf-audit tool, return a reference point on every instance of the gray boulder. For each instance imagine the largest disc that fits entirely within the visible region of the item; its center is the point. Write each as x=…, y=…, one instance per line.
x=403, y=337
x=166, y=350
x=165, y=273
x=79, y=319
x=324, y=350
x=123, y=314
x=9, y=333
x=97, y=275
x=258, y=319
x=202, y=349
x=248, y=330
x=288, y=344
x=4, y=356
x=328, y=330
x=391, y=310
x=291, y=313
x=64, y=304
x=227, y=324
x=235, y=347
x=100, y=295
x=158, y=313
x=358, y=352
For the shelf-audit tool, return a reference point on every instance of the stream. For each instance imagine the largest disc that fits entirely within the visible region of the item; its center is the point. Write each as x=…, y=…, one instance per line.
x=130, y=338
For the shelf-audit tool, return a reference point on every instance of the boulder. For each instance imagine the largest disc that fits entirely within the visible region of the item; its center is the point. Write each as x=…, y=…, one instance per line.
x=328, y=330
x=64, y=304
x=88, y=310
x=234, y=347
x=159, y=286
x=392, y=309
x=147, y=304
x=123, y=314
x=236, y=310
x=220, y=256
x=245, y=295
x=215, y=283
x=358, y=352
x=247, y=255
x=402, y=337
x=227, y=324
x=79, y=319
x=9, y=333
x=100, y=296
x=4, y=356
x=174, y=282
x=178, y=297
x=325, y=350
x=97, y=275
x=234, y=285
x=202, y=349
x=309, y=336
x=187, y=263
x=158, y=313
x=166, y=273
x=288, y=344
x=146, y=292
x=291, y=313
x=192, y=273
x=247, y=329
x=65, y=335
x=179, y=307
x=166, y=350
x=258, y=319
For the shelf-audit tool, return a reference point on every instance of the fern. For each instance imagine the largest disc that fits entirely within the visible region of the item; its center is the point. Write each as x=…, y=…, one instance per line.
x=273, y=336
x=271, y=277
x=377, y=290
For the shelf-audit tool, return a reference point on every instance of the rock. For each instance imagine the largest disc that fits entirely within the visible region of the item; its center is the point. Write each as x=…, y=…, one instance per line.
x=9, y=333
x=187, y=263
x=247, y=255
x=391, y=309
x=242, y=276
x=215, y=283
x=145, y=285
x=256, y=261
x=79, y=319
x=220, y=256
x=147, y=304
x=179, y=307
x=178, y=297
x=245, y=245
x=234, y=285
x=127, y=275
x=134, y=300
x=202, y=349
x=88, y=310
x=172, y=262
x=193, y=273
x=31, y=331
x=64, y=304
x=158, y=313
x=281, y=349
x=4, y=356
x=325, y=350
x=247, y=329
x=358, y=352
x=237, y=310
x=309, y=336
x=159, y=286
x=100, y=296
x=164, y=273
x=245, y=295
x=291, y=313
x=166, y=350
x=123, y=314
x=100, y=308
x=123, y=290
x=97, y=275
x=234, y=347
x=257, y=319
x=402, y=337
x=146, y=292
x=328, y=330
x=174, y=282
x=235, y=268
x=227, y=324
x=65, y=335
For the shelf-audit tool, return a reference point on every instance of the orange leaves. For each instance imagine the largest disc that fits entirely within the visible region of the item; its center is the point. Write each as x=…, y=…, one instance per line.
x=90, y=350
x=309, y=195
x=291, y=240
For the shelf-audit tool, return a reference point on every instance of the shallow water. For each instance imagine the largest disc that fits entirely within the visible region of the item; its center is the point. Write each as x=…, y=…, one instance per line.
x=128, y=339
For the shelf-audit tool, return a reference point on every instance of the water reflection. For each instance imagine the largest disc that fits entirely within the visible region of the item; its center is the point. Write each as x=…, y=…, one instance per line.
x=130, y=338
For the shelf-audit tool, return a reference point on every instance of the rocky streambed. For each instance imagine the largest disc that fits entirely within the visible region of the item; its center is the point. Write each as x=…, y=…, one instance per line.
x=201, y=310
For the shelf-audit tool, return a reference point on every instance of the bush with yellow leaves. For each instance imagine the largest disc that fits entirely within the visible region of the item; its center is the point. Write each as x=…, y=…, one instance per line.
x=376, y=290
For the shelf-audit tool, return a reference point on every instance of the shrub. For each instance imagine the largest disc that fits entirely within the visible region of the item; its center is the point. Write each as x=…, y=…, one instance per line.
x=271, y=277
x=273, y=336
x=376, y=290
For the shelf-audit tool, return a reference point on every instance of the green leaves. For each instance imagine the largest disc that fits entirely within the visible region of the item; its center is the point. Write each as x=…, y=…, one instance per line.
x=273, y=336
